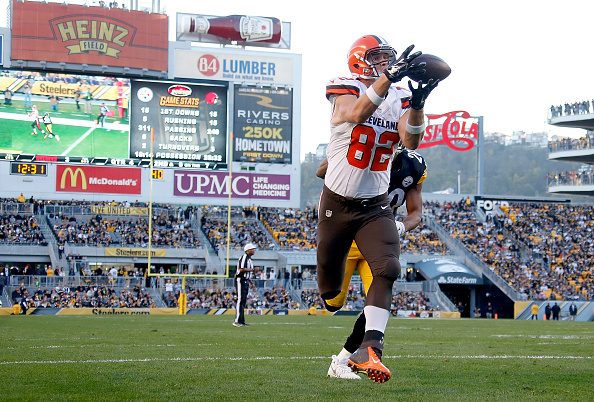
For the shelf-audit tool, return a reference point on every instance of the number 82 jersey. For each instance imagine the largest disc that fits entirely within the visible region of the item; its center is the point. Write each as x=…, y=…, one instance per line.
x=360, y=155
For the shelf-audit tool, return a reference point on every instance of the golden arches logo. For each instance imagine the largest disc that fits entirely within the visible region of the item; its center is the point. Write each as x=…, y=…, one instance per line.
x=265, y=101
x=73, y=178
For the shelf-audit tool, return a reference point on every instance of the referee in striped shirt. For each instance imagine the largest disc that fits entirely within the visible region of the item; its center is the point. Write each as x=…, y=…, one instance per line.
x=245, y=270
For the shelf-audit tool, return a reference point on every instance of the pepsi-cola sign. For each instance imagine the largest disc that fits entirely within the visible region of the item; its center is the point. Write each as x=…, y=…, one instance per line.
x=456, y=129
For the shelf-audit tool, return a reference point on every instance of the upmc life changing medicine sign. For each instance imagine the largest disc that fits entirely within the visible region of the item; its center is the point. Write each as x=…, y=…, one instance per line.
x=188, y=183
x=94, y=179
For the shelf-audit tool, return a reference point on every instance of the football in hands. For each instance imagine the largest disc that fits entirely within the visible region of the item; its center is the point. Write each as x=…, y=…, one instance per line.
x=435, y=68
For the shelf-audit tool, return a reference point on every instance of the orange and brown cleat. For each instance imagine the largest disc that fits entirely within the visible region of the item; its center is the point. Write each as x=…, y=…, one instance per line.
x=366, y=360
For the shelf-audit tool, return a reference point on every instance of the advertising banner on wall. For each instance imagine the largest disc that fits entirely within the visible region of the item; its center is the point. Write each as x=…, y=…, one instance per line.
x=262, y=125
x=134, y=252
x=95, y=179
x=190, y=183
x=221, y=64
x=55, y=32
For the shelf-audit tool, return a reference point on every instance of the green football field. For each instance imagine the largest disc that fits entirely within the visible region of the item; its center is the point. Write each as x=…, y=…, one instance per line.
x=77, y=132
x=278, y=358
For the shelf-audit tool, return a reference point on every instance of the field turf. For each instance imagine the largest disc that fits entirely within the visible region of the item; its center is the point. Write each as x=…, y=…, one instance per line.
x=203, y=357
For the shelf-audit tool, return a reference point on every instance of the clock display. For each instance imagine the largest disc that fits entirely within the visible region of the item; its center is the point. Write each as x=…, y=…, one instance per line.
x=28, y=169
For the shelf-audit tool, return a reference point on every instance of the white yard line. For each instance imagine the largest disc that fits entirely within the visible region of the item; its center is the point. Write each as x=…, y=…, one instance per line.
x=191, y=359
x=78, y=141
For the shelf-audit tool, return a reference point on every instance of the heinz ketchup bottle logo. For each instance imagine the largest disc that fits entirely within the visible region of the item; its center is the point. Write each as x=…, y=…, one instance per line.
x=208, y=65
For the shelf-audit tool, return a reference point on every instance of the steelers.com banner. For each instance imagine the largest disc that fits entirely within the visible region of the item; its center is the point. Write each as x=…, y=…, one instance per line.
x=134, y=252
x=263, y=125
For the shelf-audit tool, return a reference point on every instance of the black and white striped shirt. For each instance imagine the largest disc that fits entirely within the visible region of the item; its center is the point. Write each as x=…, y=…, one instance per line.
x=245, y=262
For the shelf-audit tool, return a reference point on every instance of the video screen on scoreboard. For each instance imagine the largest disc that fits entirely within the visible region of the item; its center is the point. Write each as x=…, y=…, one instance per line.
x=108, y=121
x=58, y=117
x=189, y=122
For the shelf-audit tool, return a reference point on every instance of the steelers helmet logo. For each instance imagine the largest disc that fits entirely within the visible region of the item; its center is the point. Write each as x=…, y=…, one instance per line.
x=144, y=94
x=408, y=180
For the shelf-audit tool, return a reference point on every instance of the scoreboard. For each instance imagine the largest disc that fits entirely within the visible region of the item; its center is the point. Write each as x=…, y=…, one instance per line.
x=186, y=122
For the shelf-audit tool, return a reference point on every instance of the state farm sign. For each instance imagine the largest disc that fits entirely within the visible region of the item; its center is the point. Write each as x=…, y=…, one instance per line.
x=95, y=179
x=189, y=183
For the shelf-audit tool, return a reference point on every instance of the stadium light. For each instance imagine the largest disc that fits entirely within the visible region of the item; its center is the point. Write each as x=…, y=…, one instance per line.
x=143, y=72
x=84, y=66
x=62, y=65
x=43, y=63
x=20, y=62
x=163, y=74
x=104, y=68
x=126, y=70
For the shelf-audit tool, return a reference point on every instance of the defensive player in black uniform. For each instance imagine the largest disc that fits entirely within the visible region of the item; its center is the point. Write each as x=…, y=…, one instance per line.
x=47, y=122
x=408, y=173
x=245, y=270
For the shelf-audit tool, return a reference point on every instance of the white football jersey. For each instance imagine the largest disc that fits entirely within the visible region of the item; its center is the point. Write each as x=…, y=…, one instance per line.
x=360, y=155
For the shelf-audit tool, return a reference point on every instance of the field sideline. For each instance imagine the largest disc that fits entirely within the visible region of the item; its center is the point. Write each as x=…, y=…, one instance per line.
x=204, y=357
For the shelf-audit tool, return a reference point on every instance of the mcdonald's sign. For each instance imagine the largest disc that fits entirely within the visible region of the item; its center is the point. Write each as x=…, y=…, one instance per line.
x=96, y=179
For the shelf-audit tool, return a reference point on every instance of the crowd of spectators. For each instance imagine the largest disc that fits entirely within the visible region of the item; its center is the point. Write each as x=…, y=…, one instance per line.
x=83, y=296
x=543, y=251
x=401, y=300
x=571, y=178
x=242, y=232
x=559, y=237
x=410, y=300
x=275, y=298
x=292, y=228
x=167, y=231
x=20, y=229
x=423, y=240
x=570, y=144
x=567, y=109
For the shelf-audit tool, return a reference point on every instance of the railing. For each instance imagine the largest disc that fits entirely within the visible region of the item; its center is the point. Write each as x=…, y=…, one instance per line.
x=145, y=246
x=71, y=210
x=571, y=179
x=16, y=208
x=572, y=144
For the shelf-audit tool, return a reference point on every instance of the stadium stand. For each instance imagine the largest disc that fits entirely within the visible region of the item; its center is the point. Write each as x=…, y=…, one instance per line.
x=20, y=229
x=543, y=251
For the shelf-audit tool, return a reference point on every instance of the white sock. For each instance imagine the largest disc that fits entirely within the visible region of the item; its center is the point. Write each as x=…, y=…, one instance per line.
x=344, y=354
x=376, y=318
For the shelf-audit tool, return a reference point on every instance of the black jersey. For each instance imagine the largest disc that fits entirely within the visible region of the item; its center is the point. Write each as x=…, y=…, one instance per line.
x=408, y=169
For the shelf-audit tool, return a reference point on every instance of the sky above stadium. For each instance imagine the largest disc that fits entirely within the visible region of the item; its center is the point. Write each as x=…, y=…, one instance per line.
x=510, y=60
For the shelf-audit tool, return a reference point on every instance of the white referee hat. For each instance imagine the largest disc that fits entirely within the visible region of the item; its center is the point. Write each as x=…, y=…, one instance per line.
x=249, y=246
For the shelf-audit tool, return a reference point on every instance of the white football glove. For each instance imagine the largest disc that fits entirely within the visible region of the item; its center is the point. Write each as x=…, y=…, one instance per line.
x=400, y=227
